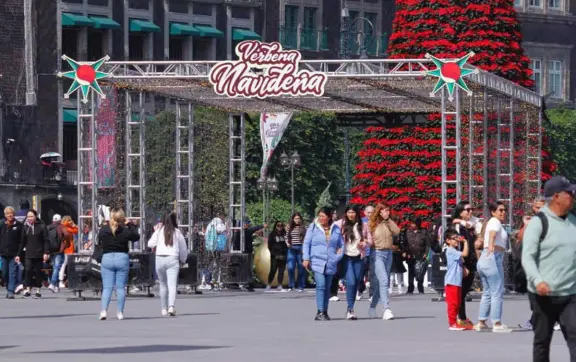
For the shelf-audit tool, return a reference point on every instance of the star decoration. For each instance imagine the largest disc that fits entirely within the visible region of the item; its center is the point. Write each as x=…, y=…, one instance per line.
x=450, y=74
x=85, y=76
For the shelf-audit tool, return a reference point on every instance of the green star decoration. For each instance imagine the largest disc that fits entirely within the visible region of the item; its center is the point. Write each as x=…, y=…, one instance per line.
x=85, y=76
x=450, y=74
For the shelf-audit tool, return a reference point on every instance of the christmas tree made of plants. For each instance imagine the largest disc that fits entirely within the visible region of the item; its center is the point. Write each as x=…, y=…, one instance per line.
x=402, y=165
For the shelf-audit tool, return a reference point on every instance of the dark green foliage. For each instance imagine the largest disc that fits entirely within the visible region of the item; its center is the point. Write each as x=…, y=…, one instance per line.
x=562, y=133
x=279, y=210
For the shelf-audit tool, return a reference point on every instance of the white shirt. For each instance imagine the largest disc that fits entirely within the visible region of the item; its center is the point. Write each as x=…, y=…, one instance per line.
x=351, y=248
x=178, y=248
x=501, y=236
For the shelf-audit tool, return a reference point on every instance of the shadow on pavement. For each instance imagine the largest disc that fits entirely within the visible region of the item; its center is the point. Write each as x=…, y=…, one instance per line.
x=395, y=318
x=158, y=348
x=7, y=347
x=177, y=315
x=46, y=316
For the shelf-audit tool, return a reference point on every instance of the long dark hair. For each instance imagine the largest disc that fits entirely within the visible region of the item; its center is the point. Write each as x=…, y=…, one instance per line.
x=326, y=210
x=169, y=225
x=293, y=225
x=275, y=231
x=348, y=225
x=461, y=206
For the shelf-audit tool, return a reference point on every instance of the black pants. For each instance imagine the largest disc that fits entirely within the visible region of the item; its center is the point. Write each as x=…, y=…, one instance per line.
x=276, y=265
x=33, y=273
x=366, y=276
x=340, y=273
x=412, y=275
x=466, y=287
x=546, y=311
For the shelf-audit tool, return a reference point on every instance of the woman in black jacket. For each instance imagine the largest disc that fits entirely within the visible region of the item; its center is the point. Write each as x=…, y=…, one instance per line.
x=278, y=246
x=34, y=240
x=114, y=239
x=461, y=222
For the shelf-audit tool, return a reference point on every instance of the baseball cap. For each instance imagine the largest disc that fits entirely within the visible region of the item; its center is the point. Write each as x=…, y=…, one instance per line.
x=558, y=184
x=56, y=218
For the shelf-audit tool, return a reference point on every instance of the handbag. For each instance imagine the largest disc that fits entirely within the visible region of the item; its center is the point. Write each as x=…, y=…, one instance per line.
x=97, y=253
x=420, y=268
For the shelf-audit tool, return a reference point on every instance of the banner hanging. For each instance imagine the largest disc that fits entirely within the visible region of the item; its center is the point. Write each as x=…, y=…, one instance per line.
x=272, y=127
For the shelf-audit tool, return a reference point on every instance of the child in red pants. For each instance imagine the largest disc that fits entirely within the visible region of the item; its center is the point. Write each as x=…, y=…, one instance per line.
x=453, y=277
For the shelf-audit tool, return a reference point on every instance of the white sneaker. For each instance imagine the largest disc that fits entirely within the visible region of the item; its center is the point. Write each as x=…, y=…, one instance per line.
x=370, y=299
x=557, y=327
x=19, y=289
x=171, y=311
x=359, y=296
x=351, y=316
x=400, y=290
x=334, y=299
x=388, y=315
x=501, y=328
x=120, y=316
x=268, y=288
x=300, y=290
x=103, y=315
x=279, y=288
x=61, y=285
x=53, y=288
x=372, y=313
x=390, y=291
x=164, y=313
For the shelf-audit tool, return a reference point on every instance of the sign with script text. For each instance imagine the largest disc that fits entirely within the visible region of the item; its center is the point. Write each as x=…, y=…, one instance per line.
x=265, y=70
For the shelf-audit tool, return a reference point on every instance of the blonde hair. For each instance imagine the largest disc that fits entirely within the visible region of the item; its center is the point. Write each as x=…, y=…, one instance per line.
x=117, y=218
x=8, y=209
x=67, y=218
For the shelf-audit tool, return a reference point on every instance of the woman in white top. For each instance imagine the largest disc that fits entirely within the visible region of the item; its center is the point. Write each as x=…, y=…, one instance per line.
x=356, y=236
x=171, y=250
x=491, y=269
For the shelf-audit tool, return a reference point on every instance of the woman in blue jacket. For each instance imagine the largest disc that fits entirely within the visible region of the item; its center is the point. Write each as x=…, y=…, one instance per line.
x=323, y=245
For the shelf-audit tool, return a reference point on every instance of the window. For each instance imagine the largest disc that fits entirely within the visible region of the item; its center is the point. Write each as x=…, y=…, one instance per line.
x=555, y=78
x=178, y=6
x=310, y=18
x=69, y=142
x=73, y=1
x=202, y=49
x=537, y=75
x=517, y=2
x=373, y=18
x=240, y=12
x=555, y=4
x=95, y=44
x=176, y=48
x=98, y=2
x=291, y=17
x=202, y=9
x=69, y=48
x=535, y=3
x=136, y=51
x=138, y=4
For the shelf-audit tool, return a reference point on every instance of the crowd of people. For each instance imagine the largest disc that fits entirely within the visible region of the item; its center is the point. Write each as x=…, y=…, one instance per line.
x=355, y=248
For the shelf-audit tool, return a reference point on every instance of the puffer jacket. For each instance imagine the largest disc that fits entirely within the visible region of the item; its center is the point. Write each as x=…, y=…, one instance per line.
x=68, y=229
x=417, y=243
x=323, y=254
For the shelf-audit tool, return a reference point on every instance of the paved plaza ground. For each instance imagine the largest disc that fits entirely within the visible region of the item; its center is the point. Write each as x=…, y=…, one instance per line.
x=242, y=326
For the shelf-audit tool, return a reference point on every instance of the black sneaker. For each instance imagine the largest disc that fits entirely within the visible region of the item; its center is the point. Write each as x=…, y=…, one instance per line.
x=37, y=295
x=10, y=295
x=326, y=316
x=319, y=316
x=26, y=294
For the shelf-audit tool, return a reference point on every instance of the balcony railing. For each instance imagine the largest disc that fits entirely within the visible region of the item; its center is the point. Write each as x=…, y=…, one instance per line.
x=306, y=39
x=377, y=47
x=244, y=2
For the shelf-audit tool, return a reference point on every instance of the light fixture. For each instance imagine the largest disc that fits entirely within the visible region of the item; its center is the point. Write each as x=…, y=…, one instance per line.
x=59, y=196
x=284, y=160
x=296, y=159
x=272, y=184
x=260, y=183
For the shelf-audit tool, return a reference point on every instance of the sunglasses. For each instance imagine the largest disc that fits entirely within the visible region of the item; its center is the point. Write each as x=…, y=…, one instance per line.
x=469, y=209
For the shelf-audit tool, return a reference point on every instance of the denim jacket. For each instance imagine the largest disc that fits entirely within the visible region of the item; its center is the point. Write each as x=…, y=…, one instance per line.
x=323, y=255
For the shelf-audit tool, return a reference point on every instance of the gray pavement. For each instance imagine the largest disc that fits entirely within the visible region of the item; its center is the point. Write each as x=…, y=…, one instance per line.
x=242, y=326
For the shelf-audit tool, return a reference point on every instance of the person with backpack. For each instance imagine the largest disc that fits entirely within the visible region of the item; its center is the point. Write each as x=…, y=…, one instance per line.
x=10, y=233
x=68, y=230
x=548, y=259
x=55, y=238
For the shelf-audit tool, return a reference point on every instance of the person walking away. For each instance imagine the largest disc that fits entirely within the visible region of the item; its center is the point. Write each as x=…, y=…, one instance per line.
x=548, y=258
x=10, y=235
x=322, y=250
x=454, y=273
x=491, y=269
x=295, y=233
x=114, y=239
x=278, y=247
x=56, y=240
x=355, y=234
x=418, y=245
x=36, y=247
x=461, y=222
x=68, y=230
x=383, y=230
x=368, y=211
x=171, y=251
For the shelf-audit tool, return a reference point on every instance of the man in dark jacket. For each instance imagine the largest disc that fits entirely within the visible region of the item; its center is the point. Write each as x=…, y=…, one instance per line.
x=10, y=234
x=418, y=245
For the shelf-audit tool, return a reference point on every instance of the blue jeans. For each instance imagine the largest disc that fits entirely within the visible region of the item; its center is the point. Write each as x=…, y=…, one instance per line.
x=491, y=272
x=115, y=267
x=354, y=272
x=295, y=259
x=57, y=260
x=9, y=273
x=380, y=265
x=323, y=282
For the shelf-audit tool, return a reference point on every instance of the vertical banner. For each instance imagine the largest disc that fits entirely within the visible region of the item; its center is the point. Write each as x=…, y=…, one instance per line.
x=105, y=115
x=272, y=127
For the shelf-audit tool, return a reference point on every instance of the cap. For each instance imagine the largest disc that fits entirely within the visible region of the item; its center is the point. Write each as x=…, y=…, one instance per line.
x=56, y=218
x=558, y=184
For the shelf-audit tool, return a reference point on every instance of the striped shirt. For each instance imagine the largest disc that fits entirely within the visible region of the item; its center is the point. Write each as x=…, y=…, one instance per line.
x=296, y=235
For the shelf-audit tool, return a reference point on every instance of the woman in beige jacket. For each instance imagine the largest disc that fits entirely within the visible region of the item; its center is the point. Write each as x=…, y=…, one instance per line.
x=383, y=229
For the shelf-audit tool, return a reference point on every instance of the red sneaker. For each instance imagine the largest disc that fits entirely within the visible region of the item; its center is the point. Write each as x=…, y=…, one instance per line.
x=466, y=324
x=456, y=327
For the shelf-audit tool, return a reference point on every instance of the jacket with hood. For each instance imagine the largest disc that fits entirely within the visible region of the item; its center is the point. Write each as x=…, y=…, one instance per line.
x=10, y=235
x=34, y=239
x=323, y=254
x=67, y=229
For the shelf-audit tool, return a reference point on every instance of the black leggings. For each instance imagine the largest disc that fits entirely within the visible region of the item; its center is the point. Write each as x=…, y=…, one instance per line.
x=279, y=266
x=33, y=273
x=466, y=286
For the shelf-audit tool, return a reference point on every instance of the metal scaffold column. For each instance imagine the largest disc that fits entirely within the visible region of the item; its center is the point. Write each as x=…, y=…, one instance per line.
x=475, y=156
x=185, y=170
x=135, y=153
x=452, y=147
x=87, y=175
x=533, y=182
x=504, y=149
x=237, y=204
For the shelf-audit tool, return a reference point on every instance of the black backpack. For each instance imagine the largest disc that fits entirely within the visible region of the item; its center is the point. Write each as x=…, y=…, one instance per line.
x=54, y=239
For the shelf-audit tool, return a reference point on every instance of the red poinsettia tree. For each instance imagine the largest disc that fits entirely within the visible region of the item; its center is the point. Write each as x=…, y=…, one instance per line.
x=402, y=165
